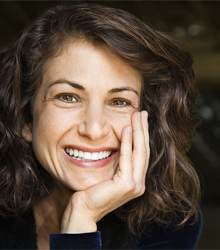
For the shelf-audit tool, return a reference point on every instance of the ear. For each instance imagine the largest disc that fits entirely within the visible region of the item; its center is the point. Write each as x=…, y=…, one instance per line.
x=27, y=132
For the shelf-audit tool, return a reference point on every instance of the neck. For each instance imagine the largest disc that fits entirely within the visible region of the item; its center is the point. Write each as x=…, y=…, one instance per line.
x=49, y=212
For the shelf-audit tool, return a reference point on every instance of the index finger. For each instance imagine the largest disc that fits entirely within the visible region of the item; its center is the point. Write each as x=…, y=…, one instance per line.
x=141, y=149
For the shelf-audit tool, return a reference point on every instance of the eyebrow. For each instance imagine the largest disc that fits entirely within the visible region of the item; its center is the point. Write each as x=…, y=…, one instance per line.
x=116, y=90
x=80, y=87
x=73, y=84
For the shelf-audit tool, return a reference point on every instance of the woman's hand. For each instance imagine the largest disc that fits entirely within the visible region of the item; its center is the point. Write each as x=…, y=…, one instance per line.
x=87, y=207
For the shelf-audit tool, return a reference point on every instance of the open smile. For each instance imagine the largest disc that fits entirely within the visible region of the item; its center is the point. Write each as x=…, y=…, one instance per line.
x=90, y=157
x=87, y=156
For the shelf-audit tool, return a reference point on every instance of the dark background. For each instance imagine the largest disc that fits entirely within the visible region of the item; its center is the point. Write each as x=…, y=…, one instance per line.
x=197, y=25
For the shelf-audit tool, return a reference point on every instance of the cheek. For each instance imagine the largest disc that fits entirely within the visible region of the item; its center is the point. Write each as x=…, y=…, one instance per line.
x=48, y=128
x=118, y=122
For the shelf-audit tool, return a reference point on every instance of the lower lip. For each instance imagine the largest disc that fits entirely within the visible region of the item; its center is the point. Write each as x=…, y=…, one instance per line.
x=92, y=164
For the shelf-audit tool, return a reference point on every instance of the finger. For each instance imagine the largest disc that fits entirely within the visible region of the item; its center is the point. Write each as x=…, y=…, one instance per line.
x=139, y=148
x=144, y=121
x=139, y=151
x=125, y=160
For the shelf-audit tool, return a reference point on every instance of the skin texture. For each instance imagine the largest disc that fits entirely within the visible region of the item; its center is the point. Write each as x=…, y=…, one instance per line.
x=89, y=100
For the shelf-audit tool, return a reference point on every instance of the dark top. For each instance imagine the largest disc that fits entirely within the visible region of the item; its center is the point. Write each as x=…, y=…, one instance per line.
x=111, y=234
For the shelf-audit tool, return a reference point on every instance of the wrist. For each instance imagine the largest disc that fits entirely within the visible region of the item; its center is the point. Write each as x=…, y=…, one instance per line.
x=81, y=226
x=78, y=220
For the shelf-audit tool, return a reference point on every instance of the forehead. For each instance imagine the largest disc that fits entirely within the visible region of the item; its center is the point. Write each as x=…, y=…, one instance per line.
x=85, y=63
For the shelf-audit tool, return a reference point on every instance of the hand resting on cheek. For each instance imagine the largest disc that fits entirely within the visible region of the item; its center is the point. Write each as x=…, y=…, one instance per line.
x=87, y=207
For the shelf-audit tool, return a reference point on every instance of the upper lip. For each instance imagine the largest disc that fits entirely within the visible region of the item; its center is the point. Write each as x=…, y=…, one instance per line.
x=88, y=149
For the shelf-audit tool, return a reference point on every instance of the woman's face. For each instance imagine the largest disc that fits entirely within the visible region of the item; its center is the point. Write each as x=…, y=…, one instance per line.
x=86, y=98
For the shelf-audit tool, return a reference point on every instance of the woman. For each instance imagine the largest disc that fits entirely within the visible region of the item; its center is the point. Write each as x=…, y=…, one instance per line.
x=81, y=91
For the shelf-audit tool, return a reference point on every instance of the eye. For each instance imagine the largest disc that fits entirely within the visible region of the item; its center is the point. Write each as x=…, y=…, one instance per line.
x=120, y=103
x=66, y=97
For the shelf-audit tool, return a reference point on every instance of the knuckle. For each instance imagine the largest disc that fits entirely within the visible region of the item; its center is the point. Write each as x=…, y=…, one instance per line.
x=145, y=151
x=129, y=187
x=140, y=189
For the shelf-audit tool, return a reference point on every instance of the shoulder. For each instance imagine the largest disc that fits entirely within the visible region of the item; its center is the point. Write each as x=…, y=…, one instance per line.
x=171, y=237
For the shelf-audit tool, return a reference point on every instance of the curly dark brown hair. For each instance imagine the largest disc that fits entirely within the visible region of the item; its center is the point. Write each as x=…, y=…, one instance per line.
x=168, y=94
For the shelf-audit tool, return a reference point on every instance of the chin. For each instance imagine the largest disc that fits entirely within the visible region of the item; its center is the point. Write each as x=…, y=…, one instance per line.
x=81, y=178
x=85, y=183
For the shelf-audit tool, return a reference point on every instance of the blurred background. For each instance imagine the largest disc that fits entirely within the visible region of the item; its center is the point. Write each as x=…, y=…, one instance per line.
x=197, y=25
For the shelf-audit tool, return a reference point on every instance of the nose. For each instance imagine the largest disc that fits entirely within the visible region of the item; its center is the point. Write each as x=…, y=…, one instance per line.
x=94, y=124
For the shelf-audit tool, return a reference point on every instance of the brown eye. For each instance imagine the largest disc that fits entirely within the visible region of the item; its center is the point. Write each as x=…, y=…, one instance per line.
x=120, y=103
x=67, y=98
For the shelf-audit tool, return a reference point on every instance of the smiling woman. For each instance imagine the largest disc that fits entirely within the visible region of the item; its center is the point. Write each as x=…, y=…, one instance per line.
x=89, y=121
x=78, y=154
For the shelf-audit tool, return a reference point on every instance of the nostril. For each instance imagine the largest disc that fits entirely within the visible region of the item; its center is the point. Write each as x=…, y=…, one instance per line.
x=93, y=129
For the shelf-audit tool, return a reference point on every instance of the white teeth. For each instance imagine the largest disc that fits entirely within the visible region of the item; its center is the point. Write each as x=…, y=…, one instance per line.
x=75, y=152
x=71, y=151
x=100, y=154
x=105, y=154
x=87, y=156
x=95, y=156
x=80, y=155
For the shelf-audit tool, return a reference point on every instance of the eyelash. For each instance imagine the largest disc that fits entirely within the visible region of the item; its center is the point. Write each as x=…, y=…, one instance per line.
x=114, y=102
x=60, y=97
x=125, y=102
